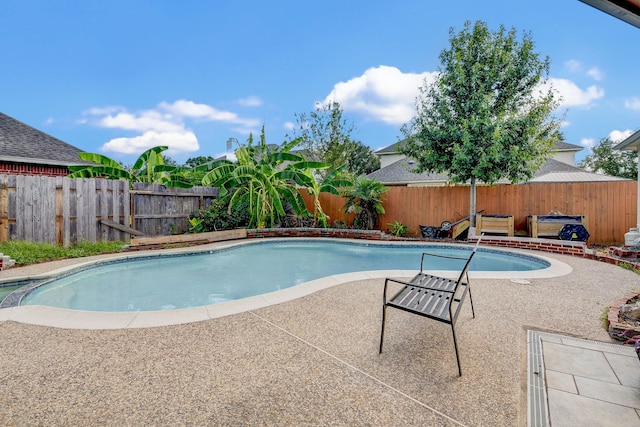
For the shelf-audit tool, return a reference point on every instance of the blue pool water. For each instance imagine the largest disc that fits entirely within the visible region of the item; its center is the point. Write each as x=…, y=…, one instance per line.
x=170, y=282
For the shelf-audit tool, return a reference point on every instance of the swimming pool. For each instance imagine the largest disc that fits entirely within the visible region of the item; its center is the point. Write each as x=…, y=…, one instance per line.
x=245, y=270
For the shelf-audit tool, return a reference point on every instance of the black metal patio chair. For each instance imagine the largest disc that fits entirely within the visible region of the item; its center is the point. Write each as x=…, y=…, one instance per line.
x=434, y=297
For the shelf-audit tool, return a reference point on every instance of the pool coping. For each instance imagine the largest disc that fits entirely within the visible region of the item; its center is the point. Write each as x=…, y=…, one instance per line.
x=80, y=319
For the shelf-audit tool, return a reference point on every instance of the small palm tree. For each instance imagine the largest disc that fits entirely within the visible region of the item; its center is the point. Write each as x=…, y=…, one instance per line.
x=365, y=200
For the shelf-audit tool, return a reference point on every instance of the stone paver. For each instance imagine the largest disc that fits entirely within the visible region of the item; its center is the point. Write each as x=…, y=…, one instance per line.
x=591, y=383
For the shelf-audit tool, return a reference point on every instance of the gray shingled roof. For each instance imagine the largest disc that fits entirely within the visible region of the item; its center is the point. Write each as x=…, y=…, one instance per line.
x=560, y=146
x=565, y=146
x=556, y=171
x=391, y=149
x=400, y=172
x=21, y=143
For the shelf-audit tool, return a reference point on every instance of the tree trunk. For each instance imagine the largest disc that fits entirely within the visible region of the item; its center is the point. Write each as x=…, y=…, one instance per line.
x=472, y=203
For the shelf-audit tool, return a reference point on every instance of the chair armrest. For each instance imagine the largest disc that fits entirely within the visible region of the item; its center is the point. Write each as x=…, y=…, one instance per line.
x=439, y=256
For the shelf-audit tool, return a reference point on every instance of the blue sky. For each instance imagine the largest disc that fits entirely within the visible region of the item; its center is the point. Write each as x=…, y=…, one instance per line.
x=117, y=77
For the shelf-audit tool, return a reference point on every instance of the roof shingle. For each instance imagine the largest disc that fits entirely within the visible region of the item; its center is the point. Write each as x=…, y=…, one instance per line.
x=20, y=142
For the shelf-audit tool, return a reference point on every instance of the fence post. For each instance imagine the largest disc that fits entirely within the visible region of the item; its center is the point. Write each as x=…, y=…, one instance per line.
x=59, y=212
x=4, y=208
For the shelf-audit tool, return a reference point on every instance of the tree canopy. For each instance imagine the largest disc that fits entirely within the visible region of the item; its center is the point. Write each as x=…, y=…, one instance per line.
x=487, y=115
x=325, y=135
x=605, y=159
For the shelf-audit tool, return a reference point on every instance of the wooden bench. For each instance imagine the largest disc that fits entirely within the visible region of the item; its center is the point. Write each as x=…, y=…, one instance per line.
x=550, y=225
x=495, y=224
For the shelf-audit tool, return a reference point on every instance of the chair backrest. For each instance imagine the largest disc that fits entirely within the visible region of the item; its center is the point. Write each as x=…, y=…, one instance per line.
x=465, y=269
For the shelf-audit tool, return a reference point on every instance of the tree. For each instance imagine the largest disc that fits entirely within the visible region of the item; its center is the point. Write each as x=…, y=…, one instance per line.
x=149, y=167
x=605, y=159
x=264, y=177
x=190, y=174
x=362, y=161
x=197, y=161
x=487, y=115
x=365, y=200
x=325, y=135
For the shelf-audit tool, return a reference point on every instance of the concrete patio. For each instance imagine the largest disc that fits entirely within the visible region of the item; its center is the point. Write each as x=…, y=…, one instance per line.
x=314, y=361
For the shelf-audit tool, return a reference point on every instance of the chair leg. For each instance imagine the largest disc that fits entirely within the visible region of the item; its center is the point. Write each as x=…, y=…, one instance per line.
x=473, y=312
x=455, y=345
x=384, y=312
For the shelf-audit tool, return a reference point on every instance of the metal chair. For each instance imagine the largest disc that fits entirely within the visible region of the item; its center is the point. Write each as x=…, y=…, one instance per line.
x=434, y=297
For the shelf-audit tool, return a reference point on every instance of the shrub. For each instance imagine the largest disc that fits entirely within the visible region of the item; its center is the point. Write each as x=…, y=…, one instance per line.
x=218, y=217
x=398, y=229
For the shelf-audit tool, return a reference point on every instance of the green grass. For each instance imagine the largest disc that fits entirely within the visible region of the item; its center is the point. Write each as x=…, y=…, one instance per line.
x=25, y=253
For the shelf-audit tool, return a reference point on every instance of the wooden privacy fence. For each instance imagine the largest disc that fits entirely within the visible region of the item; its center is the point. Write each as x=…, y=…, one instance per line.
x=610, y=207
x=161, y=211
x=62, y=210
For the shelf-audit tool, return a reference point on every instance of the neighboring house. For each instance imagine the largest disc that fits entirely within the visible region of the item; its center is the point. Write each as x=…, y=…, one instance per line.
x=25, y=150
x=396, y=169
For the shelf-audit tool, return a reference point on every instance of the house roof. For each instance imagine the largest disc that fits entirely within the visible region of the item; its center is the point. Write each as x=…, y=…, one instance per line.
x=565, y=146
x=391, y=149
x=556, y=171
x=632, y=142
x=21, y=143
x=399, y=173
x=626, y=10
x=560, y=146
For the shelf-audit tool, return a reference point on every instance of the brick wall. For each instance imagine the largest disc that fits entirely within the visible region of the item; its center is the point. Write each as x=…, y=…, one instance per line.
x=32, y=169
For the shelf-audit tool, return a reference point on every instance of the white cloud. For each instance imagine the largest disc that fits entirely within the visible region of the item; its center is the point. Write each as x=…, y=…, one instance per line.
x=177, y=142
x=588, y=142
x=141, y=122
x=595, y=73
x=183, y=108
x=388, y=95
x=573, y=96
x=383, y=93
x=250, y=101
x=632, y=104
x=164, y=125
x=101, y=111
x=619, y=135
x=576, y=66
x=289, y=125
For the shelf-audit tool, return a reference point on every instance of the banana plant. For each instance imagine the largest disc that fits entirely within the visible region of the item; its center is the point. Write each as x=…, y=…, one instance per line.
x=264, y=177
x=149, y=168
x=335, y=182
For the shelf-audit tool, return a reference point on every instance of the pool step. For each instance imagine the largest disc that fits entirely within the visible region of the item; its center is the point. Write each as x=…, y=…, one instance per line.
x=6, y=262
